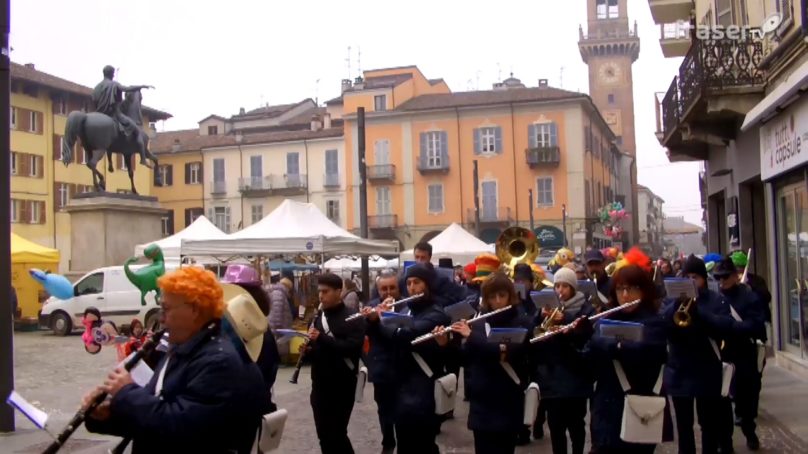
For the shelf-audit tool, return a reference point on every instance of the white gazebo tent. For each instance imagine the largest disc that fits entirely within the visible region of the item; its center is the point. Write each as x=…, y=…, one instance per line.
x=455, y=243
x=354, y=264
x=200, y=229
x=292, y=228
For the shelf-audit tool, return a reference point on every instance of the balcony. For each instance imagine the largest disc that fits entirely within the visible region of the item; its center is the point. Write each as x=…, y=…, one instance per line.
x=667, y=11
x=254, y=186
x=382, y=173
x=331, y=181
x=433, y=164
x=617, y=39
x=498, y=216
x=287, y=184
x=543, y=157
x=218, y=187
x=383, y=221
x=674, y=39
x=719, y=81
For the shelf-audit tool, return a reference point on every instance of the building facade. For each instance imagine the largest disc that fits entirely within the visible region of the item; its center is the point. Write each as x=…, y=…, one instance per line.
x=652, y=221
x=743, y=116
x=41, y=185
x=423, y=144
x=682, y=238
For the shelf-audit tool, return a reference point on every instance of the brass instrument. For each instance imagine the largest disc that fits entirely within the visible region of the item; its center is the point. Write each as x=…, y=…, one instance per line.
x=682, y=317
x=548, y=323
x=516, y=245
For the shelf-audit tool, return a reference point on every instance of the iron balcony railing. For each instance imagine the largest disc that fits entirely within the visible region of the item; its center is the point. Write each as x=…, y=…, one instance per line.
x=247, y=184
x=331, y=180
x=218, y=187
x=383, y=221
x=543, y=156
x=381, y=172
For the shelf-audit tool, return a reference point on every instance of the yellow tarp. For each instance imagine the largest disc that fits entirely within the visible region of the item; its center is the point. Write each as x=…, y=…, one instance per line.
x=24, y=251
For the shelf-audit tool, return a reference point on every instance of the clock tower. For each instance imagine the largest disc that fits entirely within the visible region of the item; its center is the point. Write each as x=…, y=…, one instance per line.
x=609, y=47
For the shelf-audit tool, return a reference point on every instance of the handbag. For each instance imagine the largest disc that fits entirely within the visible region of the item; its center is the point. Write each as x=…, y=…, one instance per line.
x=643, y=416
x=760, y=347
x=532, y=400
x=270, y=431
x=445, y=390
x=361, y=380
x=727, y=371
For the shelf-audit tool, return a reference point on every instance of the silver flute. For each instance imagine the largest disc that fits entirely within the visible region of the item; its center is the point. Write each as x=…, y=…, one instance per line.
x=545, y=336
x=428, y=336
x=359, y=315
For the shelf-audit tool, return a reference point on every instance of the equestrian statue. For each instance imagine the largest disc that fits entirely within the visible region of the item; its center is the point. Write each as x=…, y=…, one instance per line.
x=116, y=126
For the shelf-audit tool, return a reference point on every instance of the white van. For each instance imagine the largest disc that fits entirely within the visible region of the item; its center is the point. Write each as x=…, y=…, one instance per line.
x=107, y=289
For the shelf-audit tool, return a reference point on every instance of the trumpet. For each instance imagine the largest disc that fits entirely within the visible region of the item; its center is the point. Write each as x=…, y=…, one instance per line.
x=682, y=317
x=550, y=334
x=359, y=315
x=426, y=337
x=548, y=322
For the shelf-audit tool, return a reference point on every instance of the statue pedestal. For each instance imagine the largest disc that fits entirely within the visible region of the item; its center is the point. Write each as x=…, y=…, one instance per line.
x=106, y=227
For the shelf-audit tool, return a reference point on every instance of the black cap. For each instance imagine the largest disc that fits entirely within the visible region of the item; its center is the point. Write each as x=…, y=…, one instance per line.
x=694, y=265
x=594, y=255
x=445, y=262
x=725, y=268
x=422, y=272
x=522, y=271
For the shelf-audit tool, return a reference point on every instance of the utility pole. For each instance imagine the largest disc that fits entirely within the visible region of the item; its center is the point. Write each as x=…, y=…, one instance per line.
x=363, y=198
x=476, y=181
x=6, y=317
x=564, y=222
x=530, y=207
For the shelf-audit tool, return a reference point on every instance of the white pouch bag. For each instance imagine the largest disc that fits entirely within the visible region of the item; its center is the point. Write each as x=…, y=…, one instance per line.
x=727, y=371
x=445, y=394
x=761, y=355
x=532, y=400
x=643, y=416
x=361, y=381
x=270, y=431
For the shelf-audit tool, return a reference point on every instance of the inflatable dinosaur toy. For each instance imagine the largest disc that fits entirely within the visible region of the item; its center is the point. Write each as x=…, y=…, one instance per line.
x=145, y=279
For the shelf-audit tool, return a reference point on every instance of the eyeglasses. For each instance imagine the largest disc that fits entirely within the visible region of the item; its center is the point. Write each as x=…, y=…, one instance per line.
x=723, y=278
x=627, y=288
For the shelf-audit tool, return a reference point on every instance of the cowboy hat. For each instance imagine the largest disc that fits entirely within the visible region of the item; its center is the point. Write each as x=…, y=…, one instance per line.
x=245, y=317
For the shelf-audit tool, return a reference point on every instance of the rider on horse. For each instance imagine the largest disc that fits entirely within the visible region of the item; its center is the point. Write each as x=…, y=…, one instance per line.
x=107, y=99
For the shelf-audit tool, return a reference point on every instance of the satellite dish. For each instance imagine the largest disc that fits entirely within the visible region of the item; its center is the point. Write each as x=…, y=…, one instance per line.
x=771, y=23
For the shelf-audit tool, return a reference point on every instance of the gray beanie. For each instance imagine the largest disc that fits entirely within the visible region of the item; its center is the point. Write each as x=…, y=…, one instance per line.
x=566, y=276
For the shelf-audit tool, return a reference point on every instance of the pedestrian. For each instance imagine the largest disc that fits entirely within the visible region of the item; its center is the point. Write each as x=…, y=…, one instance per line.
x=350, y=295
x=334, y=350
x=208, y=400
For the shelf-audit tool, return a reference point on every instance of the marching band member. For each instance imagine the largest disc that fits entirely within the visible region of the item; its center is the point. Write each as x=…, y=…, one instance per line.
x=443, y=290
x=381, y=362
x=523, y=274
x=641, y=360
x=416, y=424
x=693, y=373
x=562, y=375
x=744, y=329
x=596, y=268
x=335, y=349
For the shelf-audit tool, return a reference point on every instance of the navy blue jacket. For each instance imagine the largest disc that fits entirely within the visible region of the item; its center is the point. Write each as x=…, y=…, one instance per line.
x=740, y=336
x=496, y=402
x=415, y=392
x=559, y=367
x=444, y=291
x=693, y=369
x=211, y=401
x=381, y=356
x=329, y=371
x=641, y=361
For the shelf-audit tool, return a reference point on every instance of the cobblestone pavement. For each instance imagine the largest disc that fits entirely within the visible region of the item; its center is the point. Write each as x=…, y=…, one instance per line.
x=54, y=372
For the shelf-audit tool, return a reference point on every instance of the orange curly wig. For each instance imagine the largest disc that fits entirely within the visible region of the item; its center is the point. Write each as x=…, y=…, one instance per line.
x=198, y=286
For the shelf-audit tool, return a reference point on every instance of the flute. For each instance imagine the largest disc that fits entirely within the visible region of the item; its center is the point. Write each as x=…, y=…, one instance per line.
x=359, y=315
x=562, y=329
x=302, y=355
x=81, y=415
x=428, y=336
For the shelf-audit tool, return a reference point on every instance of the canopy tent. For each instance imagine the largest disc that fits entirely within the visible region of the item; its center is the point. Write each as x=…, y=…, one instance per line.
x=200, y=229
x=24, y=251
x=25, y=255
x=351, y=263
x=455, y=243
x=292, y=228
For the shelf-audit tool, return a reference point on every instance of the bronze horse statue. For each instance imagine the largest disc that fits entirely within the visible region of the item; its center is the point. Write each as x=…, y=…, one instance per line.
x=100, y=135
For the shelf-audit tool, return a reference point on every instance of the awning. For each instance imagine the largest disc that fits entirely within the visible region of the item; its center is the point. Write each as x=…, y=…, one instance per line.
x=779, y=98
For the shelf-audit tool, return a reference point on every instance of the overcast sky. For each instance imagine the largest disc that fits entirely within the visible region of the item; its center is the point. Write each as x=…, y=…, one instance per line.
x=213, y=56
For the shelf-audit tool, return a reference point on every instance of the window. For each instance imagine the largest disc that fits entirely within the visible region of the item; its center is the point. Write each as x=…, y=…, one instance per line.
x=168, y=223
x=435, y=198
x=36, y=212
x=221, y=218
x=256, y=168
x=122, y=162
x=543, y=135
x=607, y=9
x=218, y=170
x=544, y=191
x=62, y=195
x=256, y=213
x=60, y=106
x=489, y=201
x=164, y=175
x=191, y=214
x=381, y=152
x=724, y=14
x=213, y=130
x=332, y=210
x=380, y=103
x=13, y=118
x=331, y=162
x=192, y=172
x=293, y=163
x=488, y=140
x=611, y=98
x=13, y=162
x=15, y=210
x=91, y=285
x=383, y=200
x=434, y=149
x=33, y=126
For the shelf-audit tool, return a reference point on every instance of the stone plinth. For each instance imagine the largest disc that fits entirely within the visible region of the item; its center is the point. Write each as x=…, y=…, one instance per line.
x=106, y=227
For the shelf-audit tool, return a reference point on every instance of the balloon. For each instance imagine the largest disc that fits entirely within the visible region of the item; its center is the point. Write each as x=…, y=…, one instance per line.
x=58, y=286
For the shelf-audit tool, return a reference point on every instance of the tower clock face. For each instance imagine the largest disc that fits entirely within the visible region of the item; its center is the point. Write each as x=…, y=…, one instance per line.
x=609, y=73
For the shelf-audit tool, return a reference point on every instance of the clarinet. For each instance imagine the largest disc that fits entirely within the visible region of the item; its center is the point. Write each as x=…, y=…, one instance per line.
x=302, y=355
x=81, y=415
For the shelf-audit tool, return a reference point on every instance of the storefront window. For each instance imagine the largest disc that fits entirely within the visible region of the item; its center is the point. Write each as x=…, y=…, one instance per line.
x=792, y=221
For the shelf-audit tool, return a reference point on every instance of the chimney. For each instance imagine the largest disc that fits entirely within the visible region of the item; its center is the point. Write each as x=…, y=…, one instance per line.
x=316, y=124
x=30, y=65
x=359, y=83
x=241, y=111
x=346, y=85
x=327, y=121
x=175, y=147
x=543, y=83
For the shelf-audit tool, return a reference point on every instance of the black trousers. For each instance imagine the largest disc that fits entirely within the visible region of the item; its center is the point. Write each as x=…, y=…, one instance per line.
x=709, y=413
x=418, y=437
x=746, y=395
x=566, y=414
x=627, y=449
x=385, y=396
x=494, y=442
x=332, y=411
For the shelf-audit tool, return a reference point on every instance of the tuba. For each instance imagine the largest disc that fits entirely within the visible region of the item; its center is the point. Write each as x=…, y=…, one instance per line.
x=516, y=245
